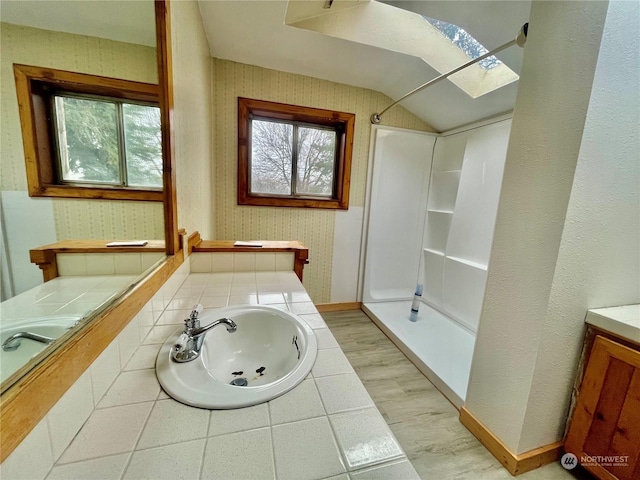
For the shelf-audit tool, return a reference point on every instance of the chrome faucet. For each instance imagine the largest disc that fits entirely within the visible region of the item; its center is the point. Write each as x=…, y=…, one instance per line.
x=189, y=344
x=13, y=342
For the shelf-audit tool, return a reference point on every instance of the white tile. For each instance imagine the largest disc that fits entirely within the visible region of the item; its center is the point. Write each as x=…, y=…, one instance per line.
x=325, y=338
x=214, y=302
x=265, y=261
x=184, y=303
x=127, y=263
x=69, y=413
x=173, y=422
x=341, y=393
x=197, y=278
x=244, y=262
x=269, y=287
x=200, y=262
x=220, y=279
x=244, y=289
x=239, y=456
x=100, y=264
x=244, y=278
x=399, y=470
x=306, y=450
x=145, y=318
x=71, y=264
x=344, y=476
x=270, y=277
x=364, y=438
x=107, y=432
x=145, y=357
x=303, y=308
x=180, y=461
x=284, y=261
x=104, y=370
x=331, y=361
x=106, y=468
x=163, y=395
x=296, y=297
x=217, y=291
x=173, y=317
x=128, y=341
x=314, y=320
x=280, y=306
x=184, y=292
x=301, y=403
x=31, y=460
x=246, y=299
x=148, y=260
x=222, y=262
x=229, y=421
x=270, y=298
x=160, y=333
x=131, y=387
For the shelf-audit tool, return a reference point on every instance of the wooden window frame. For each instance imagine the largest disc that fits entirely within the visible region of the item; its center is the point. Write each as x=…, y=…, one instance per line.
x=345, y=122
x=34, y=88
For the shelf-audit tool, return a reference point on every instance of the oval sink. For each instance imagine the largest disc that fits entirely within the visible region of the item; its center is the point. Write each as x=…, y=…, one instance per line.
x=270, y=353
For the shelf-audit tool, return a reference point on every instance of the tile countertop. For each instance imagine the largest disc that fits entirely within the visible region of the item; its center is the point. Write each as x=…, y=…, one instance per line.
x=326, y=427
x=623, y=321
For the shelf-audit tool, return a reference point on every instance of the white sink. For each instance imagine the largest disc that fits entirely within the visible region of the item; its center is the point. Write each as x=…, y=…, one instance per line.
x=271, y=349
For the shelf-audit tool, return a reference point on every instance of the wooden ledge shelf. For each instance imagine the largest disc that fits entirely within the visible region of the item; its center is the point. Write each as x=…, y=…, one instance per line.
x=300, y=251
x=45, y=256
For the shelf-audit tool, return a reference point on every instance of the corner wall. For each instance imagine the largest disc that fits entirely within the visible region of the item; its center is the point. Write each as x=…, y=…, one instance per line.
x=547, y=131
x=599, y=259
x=333, y=237
x=192, y=118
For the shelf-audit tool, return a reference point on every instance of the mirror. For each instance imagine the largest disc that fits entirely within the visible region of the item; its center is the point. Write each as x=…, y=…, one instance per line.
x=106, y=38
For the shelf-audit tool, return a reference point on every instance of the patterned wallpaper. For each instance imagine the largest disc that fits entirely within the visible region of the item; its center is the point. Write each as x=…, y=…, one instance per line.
x=32, y=46
x=192, y=118
x=313, y=227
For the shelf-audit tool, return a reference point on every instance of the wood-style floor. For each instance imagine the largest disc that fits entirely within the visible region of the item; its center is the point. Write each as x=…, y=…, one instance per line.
x=421, y=418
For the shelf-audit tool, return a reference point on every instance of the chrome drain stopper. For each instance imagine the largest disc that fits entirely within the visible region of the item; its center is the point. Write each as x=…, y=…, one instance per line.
x=239, y=382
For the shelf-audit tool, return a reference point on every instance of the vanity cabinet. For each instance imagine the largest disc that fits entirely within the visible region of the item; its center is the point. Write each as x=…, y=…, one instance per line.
x=604, y=433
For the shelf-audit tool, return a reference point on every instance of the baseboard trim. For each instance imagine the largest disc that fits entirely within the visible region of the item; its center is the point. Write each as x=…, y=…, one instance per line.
x=515, y=464
x=338, y=307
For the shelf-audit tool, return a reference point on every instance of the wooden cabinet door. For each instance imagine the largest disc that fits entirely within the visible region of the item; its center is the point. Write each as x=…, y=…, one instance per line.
x=606, y=420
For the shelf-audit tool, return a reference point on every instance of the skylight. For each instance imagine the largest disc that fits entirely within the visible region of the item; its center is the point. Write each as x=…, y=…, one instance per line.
x=465, y=42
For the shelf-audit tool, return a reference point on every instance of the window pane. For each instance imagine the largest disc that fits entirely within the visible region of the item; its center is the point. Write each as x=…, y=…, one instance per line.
x=143, y=145
x=316, y=161
x=271, y=157
x=88, y=140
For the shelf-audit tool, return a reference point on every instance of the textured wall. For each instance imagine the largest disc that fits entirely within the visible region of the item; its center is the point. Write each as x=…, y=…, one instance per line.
x=313, y=227
x=82, y=54
x=599, y=259
x=192, y=118
x=548, y=121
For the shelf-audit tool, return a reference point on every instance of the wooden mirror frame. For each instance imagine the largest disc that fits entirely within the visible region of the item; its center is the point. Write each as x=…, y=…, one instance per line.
x=27, y=402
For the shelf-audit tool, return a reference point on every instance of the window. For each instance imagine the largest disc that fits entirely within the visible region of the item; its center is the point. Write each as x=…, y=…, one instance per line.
x=89, y=137
x=293, y=156
x=465, y=42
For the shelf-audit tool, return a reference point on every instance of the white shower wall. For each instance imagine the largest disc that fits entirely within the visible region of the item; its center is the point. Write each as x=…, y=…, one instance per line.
x=399, y=179
x=431, y=218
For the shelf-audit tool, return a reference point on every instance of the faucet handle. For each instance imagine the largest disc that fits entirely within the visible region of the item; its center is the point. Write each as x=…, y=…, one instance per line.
x=196, y=310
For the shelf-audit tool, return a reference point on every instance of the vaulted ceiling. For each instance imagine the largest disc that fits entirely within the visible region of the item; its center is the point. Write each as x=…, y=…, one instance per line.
x=255, y=32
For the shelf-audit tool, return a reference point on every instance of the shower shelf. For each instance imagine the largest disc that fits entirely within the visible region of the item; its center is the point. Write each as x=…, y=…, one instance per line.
x=435, y=252
x=432, y=210
x=470, y=263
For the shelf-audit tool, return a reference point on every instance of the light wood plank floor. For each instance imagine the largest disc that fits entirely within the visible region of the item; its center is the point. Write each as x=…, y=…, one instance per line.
x=421, y=418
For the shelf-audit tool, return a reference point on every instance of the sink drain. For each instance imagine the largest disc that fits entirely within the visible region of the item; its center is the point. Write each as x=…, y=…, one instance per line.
x=239, y=382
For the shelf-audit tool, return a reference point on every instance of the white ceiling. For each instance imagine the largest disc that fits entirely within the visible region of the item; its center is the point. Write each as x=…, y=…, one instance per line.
x=254, y=32
x=124, y=21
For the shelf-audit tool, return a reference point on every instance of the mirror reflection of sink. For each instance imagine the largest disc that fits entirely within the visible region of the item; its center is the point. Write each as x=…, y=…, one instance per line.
x=53, y=327
x=271, y=352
